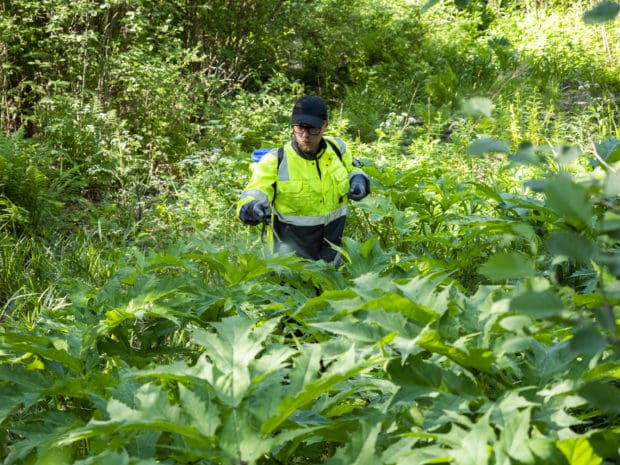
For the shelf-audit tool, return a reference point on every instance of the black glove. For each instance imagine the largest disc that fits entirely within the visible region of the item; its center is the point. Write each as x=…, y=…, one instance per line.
x=246, y=215
x=262, y=212
x=255, y=212
x=358, y=187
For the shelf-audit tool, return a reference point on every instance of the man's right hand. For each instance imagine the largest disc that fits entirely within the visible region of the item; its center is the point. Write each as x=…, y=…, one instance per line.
x=262, y=212
x=255, y=212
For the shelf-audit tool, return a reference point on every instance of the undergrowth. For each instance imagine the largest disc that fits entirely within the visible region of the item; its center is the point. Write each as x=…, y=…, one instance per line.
x=474, y=319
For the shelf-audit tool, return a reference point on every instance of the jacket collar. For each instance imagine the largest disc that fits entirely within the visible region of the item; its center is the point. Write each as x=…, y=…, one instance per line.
x=322, y=147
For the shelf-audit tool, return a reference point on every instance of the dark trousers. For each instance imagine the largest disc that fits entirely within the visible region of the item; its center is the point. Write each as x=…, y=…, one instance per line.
x=312, y=242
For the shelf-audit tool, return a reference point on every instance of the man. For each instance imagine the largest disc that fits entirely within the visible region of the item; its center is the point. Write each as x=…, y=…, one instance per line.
x=308, y=184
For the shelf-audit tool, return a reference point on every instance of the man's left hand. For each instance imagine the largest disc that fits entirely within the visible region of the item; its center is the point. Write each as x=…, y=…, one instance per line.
x=358, y=187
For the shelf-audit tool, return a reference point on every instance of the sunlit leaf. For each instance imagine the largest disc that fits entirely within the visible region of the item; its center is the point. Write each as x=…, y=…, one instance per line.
x=477, y=106
x=578, y=451
x=546, y=451
x=353, y=330
x=43, y=346
x=514, y=434
x=361, y=258
x=428, y=291
x=612, y=184
x=515, y=322
x=239, y=442
x=204, y=415
x=310, y=388
x=168, y=260
x=605, y=370
x=605, y=442
x=471, y=447
x=153, y=412
x=473, y=357
x=404, y=306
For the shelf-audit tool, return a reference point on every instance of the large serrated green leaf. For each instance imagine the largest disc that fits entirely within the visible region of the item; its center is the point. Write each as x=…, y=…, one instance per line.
x=354, y=331
x=515, y=427
x=603, y=395
x=402, y=305
x=543, y=304
x=469, y=444
x=507, y=265
x=153, y=412
x=233, y=268
x=345, y=366
x=203, y=415
x=569, y=200
x=360, y=450
x=428, y=291
x=232, y=349
x=487, y=145
x=42, y=346
x=571, y=244
x=578, y=451
x=546, y=452
x=474, y=357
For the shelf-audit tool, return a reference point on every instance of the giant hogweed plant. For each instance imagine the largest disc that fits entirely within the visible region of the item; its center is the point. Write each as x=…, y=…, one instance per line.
x=201, y=354
x=398, y=370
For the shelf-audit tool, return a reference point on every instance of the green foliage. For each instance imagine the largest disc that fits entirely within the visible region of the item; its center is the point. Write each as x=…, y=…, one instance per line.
x=431, y=368
x=474, y=318
x=24, y=192
x=602, y=12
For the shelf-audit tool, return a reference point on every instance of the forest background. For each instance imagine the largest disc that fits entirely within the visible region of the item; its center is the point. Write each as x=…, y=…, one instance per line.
x=475, y=318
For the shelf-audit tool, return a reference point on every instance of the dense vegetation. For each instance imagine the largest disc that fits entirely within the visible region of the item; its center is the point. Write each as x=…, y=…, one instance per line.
x=475, y=318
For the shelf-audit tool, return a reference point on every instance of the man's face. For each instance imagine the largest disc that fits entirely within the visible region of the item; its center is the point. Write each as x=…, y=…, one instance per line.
x=308, y=138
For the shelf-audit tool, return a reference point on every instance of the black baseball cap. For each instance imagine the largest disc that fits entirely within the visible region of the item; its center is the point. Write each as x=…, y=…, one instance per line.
x=310, y=110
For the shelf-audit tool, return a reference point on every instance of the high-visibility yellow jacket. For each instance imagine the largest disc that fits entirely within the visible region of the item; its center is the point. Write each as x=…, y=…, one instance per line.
x=308, y=196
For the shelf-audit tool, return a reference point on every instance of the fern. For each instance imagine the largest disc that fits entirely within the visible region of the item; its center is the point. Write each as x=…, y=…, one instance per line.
x=24, y=196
